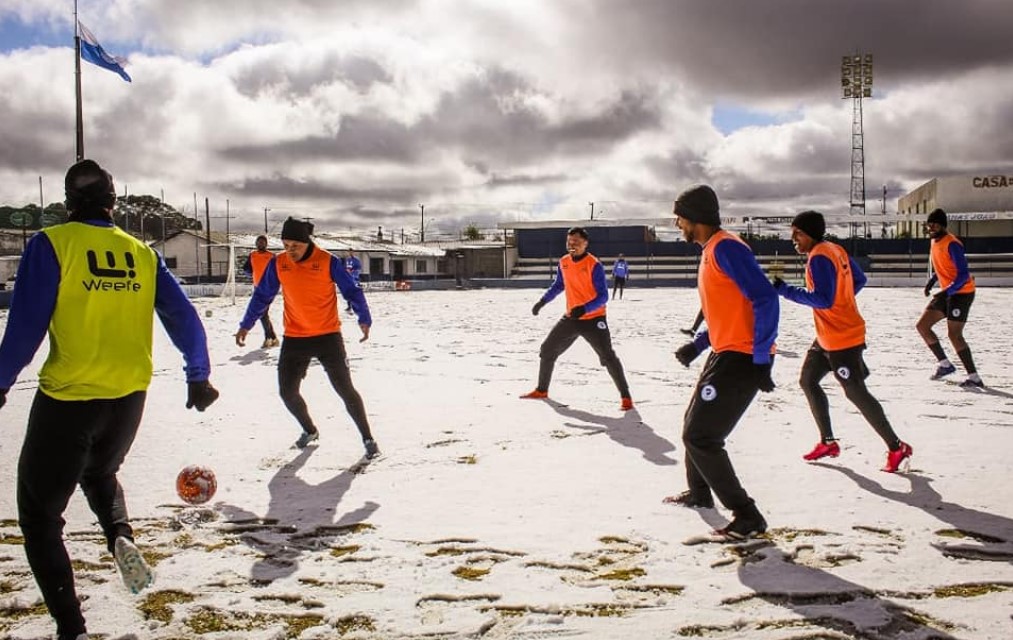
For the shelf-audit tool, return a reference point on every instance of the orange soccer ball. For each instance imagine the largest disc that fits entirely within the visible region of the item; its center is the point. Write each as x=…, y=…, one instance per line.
x=196, y=484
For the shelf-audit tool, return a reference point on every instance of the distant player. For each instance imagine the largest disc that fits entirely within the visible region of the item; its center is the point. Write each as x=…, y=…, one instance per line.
x=254, y=266
x=620, y=272
x=953, y=302
x=354, y=268
x=582, y=279
x=832, y=279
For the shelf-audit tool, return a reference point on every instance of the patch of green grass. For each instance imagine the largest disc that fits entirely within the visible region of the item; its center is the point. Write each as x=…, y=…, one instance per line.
x=355, y=623
x=337, y=552
x=18, y=613
x=622, y=574
x=789, y=534
x=84, y=565
x=657, y=589
x=8, y=522
x=470, y=573
x=155, y=606
x=12, y=538
x=970, y=590
x=612, y=540
x=209, y=620
x=960, y=533
x=471, y=459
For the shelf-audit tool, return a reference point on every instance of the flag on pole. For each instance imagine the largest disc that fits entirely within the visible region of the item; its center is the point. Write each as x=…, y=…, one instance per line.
x=93, y=52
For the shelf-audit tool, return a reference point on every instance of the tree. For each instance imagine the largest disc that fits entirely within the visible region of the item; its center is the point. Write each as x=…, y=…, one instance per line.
x=471, y=232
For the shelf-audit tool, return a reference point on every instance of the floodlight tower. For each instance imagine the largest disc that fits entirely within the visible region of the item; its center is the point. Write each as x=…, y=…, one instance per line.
x=856, y=83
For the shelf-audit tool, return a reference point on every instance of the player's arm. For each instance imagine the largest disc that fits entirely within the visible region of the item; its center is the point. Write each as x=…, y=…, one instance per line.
x=959, y=259
x=182, y=323
x=737, y=260
x=35, y=290
x=824, y=291
x=351, y=292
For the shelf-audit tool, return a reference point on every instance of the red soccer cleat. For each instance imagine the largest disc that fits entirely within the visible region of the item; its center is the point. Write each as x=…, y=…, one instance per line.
x=627, y=404
x=823, y=450
x=894, y=459
x=536, y=395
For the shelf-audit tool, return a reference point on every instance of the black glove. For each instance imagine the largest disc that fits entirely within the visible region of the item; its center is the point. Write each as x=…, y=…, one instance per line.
x=3, y=397
x=928, y=289
x=538, y=307
x=687, y=353
x=200, y=395
x=577, y=312
x=763, y=380
x=778, y=282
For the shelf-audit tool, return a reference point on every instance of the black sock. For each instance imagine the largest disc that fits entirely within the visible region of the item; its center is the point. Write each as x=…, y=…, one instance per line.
x=937, y=351
x=965, y=357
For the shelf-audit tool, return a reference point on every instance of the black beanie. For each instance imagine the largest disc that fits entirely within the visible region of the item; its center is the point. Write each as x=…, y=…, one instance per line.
x=699, y=204
x=296, y=230
x=811, y=223
x=938, y=216
x=89, y=188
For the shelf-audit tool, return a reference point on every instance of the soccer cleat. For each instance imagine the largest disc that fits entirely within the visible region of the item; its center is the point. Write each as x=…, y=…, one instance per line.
x=134, y=570
x=691, y=500
x=372, y=450
x=536, y=395
x=306, y=438
x=744, y=527
x=973, y=381
x=627, y=404
x=943, y=370
x=823, y=450
x=894, y=459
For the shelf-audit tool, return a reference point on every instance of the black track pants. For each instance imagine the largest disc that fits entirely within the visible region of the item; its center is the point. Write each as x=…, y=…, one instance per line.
x=68, y=443
x=849, y=368
x=596, y=332
x=723, y=393
x=293, y=363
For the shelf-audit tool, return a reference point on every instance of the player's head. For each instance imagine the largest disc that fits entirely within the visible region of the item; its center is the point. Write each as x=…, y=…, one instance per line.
x=90, y=193
x=935, y=224
x=576, y=241
x=261, y=243
x=807, y=229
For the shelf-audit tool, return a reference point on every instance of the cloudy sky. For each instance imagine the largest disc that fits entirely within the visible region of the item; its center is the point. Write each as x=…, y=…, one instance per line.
x=356, y=112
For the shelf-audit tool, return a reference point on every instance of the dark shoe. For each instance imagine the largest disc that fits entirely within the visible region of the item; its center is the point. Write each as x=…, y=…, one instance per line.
x=306, y=438
x=973, y=381
x=743, y=527
x=689, y=499
x=943, y=370
x=372, y=450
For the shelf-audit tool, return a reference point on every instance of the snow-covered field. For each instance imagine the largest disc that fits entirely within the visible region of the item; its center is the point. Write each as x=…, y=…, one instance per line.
x=490, y=516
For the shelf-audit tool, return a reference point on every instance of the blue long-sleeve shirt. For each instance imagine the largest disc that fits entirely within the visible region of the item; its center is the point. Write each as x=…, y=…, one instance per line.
x=269, y=286
x=34, y=300
x=824, y=277
x=737, y=260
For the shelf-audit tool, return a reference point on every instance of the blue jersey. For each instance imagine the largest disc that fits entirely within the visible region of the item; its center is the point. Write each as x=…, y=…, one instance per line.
x=620, y=269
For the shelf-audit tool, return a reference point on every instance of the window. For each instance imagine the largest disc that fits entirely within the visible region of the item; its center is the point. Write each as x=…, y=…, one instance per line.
x=170, y=262
x=420, y=266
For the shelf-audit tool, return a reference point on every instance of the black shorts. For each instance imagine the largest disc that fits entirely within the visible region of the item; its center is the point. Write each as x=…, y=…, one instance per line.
x=955, y=307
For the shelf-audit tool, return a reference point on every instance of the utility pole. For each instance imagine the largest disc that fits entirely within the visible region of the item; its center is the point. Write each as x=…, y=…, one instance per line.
x=422, y=228
x=265, y=220
x=592, y=209
x=207, y=233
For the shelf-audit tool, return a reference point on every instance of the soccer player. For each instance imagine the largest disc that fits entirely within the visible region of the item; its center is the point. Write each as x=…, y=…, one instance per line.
x=741, y=310
x=832, y=279
x=953, y=301
x=582, y=278
x=254, y=266
x=620, y=272
x=96, y=290
x=307, y=274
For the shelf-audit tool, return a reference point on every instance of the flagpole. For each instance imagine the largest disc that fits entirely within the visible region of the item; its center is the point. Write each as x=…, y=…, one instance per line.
x=77, y=87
